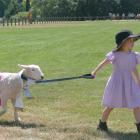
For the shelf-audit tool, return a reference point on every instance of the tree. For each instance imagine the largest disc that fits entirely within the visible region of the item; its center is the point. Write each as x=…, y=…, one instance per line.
x=54, y=7
x=46, y=8
x=82, y=8
x=3, y=6
x=97, y=7
x=28, y=5
x=67, y=7
x=136, y=6
x=127, y=6
x=39, y=7
x=12, y=8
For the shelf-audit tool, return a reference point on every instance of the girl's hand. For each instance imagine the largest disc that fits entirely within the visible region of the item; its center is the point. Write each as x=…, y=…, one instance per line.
x=93, y=74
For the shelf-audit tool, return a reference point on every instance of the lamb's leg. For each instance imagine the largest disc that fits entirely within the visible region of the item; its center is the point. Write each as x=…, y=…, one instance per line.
x=4, y=107
x=18, y=105
x=16, y=115
x=3, y=110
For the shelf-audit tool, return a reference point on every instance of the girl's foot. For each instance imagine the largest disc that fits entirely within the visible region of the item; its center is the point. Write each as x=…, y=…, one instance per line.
x=138, y=127
x=102, y=126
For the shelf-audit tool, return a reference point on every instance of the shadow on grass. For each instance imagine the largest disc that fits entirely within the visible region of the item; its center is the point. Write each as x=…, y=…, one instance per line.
x=95, y=134
x=123, y=136
x=20, y=124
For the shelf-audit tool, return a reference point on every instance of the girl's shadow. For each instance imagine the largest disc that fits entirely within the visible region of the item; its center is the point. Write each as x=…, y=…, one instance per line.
x=123, y=136
x=20, y=124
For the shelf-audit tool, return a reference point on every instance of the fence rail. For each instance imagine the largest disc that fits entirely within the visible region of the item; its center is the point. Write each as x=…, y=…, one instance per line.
x=21, y=22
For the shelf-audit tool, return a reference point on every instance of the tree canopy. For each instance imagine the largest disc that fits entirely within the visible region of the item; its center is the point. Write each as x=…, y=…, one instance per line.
x=44, y=8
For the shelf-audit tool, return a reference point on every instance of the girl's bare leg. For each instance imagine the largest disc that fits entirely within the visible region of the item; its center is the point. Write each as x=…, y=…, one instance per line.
x=136, y=112
x=102, y=123
x=106, y=113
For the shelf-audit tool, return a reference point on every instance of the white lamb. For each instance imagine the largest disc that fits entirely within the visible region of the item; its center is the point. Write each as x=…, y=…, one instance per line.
x=11, y=85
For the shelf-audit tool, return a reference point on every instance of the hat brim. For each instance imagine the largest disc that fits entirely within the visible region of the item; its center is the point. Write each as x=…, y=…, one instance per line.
x=135, y=37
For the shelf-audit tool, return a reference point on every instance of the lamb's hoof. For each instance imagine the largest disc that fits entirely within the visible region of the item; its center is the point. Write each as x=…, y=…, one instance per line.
x=19, y=109
x=30, y=97
x=18, y=120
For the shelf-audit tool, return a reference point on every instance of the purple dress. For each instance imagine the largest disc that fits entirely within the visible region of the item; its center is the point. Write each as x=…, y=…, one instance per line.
x=122, y=89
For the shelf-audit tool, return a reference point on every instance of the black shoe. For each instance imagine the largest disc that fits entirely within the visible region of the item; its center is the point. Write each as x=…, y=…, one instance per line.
x=138, y=127
x=102, y=126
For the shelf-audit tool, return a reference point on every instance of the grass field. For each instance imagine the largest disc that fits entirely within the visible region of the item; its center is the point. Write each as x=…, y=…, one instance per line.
x=67, y=110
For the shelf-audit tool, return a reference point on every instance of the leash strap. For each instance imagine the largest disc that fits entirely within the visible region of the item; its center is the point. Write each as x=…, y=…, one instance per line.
x=86, y=76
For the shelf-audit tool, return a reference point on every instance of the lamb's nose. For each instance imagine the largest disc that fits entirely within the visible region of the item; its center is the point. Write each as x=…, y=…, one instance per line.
x=42, y=77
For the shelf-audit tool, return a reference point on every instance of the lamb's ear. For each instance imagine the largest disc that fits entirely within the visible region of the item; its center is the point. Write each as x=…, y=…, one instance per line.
x=23, y=66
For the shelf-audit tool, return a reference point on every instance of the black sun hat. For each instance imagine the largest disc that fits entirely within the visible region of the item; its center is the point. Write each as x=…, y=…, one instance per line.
x=124, y=35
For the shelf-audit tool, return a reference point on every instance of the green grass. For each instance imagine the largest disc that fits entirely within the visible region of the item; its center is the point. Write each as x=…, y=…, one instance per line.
x=67, y=110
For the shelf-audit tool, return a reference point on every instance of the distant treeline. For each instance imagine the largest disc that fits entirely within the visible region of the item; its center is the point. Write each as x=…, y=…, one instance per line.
x=70, y=8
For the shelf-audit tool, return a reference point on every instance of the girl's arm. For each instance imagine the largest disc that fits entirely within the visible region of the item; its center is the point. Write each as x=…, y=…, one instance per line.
x=100, y=66
x=135, y=76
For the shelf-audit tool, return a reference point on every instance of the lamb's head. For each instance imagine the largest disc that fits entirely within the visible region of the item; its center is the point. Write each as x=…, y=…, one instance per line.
x=32, y=71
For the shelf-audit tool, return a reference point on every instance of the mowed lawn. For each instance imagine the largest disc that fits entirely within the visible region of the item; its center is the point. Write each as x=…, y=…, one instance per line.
x=68, y=110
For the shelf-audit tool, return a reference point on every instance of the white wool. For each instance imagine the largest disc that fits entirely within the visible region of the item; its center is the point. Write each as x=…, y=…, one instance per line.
x=11, y=85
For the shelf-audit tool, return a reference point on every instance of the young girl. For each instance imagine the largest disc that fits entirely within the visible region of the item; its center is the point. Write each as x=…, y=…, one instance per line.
x=123, y=87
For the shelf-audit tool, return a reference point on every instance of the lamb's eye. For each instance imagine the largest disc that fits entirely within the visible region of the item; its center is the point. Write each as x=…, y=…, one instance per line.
x=33, y=69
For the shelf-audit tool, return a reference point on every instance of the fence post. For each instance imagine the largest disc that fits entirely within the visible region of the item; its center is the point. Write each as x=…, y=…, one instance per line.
x=22, y=21
x=45, y=20
x=42, y=20
x=25, y=21
x=48, y=19
x=11, y=21
x=15, y=22
x=7, y=22
x=3, y=22
x=19, y=22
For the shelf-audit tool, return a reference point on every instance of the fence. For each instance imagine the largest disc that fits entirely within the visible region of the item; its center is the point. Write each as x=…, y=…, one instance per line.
x=21, y=22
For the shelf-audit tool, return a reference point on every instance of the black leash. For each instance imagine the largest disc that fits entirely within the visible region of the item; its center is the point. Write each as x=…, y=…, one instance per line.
x=86, y=76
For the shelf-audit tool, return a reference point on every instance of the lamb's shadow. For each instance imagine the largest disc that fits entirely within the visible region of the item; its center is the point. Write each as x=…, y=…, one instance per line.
x=20, y=124
x=123, y=136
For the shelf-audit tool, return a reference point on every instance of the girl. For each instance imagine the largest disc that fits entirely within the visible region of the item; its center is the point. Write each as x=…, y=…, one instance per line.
x=123, y=87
